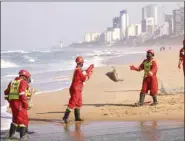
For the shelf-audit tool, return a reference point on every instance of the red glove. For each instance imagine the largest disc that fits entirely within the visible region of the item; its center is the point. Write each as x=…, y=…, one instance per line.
x=179, y=65
x=90, y=69
x=132, y=68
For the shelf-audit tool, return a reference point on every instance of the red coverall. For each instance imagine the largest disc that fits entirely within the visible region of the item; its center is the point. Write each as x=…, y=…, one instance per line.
x=181, y=58
x=149, y=81
x=19, y=106
x=76, y=87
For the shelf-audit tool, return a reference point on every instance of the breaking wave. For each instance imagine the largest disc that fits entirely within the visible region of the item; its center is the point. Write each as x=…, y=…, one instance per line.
x=7, y=64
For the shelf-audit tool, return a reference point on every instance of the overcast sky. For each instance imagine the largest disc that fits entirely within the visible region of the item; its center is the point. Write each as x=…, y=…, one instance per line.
x=41, y=25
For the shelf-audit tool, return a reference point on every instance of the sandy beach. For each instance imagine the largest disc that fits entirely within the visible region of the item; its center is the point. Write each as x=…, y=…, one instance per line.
x=108, y=104
x=104, y=99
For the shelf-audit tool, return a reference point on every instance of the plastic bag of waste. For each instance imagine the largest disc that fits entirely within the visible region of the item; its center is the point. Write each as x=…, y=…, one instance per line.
x=114, y=76
x=166, y=89
x=29, y=96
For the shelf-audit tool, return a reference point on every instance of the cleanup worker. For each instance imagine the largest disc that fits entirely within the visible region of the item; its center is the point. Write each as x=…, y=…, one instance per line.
x=181, y=58
x=75, y=90
x=15, y=94
x=29, y=94
x=150, y=80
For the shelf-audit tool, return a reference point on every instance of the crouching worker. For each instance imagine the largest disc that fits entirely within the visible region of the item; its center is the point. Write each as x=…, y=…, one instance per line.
x=150, y=82
x=16, y=96
x=75, y=90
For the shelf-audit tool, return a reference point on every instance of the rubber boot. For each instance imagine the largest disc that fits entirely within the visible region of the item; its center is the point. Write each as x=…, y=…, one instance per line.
x=23, y=131
x=18, y=129
x=13, y=129
x=154, y=101
x=141, y=100
x=29, y=132
x=77, y=114
x=66, y=116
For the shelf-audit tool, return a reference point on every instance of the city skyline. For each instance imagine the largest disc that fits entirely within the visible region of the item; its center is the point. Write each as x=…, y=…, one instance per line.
x=48, y=31
x=156, y=23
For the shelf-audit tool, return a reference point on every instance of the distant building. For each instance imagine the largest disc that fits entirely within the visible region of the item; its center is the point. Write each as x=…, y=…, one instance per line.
x=134, y=30
x=91, y=37
x=87, y=37
x=131, y=30
x=138, y=29
x=124, y=22
x=95, y=36
x=164, y=29
x=169, y=20
x=150, y=25
x=152, y=16
x=143, y=26
x=115, y=34
x=116, y=22
x=178, y=20
x=108, y=36
x=111, y=35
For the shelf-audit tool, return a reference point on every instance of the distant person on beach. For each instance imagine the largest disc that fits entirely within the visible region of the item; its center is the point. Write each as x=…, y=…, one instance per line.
x=75, y=90
x=162, y=49
x=16, y=96
x=181, y=58
x=150, y=82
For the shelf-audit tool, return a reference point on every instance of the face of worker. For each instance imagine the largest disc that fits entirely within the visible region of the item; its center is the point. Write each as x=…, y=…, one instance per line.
x=149, y=56
x=26, y=78
x=80, y=65
x=29, y=80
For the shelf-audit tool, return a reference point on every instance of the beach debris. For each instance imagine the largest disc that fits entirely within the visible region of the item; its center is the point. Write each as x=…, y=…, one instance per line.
x=29, y=97
x=113, y=75
x=166, y=89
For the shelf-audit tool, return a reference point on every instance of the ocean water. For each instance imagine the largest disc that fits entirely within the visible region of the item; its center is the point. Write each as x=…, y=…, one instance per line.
x=50, y=69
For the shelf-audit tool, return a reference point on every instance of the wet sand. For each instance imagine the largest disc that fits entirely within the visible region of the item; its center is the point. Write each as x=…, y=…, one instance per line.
x=107, y=131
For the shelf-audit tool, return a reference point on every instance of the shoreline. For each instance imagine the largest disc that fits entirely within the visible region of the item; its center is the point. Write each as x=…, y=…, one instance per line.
x=112, y=101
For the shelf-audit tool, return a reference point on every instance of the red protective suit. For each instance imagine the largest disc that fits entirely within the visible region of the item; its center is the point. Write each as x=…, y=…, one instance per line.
x=150, y=80
x=181, y=58
x=19, y=106
x=77, y=86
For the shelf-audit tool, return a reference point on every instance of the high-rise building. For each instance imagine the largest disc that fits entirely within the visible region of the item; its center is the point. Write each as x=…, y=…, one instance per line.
x=138, y=29
x=134, y=30
x=124, y=22
x=115, y=34
x=164, y=29
x=131, y=30
x=169, y=20
x=178, y=20
x=108, y=36
x=152, y=17
x=116, y=22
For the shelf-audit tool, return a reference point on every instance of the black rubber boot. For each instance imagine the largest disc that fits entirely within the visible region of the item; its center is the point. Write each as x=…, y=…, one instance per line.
x=154, y=101
x=13, y=129
x=141, y=100
x=66, y=116
x=77, y=114
x=18, y=129
x=29, y=132
x=23, y=131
